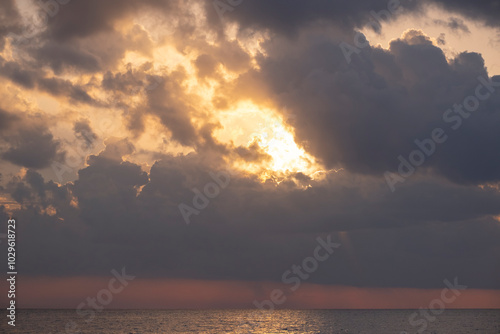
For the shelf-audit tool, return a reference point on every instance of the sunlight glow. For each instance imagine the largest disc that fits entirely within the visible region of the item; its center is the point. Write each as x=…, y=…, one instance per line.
x=248, y=124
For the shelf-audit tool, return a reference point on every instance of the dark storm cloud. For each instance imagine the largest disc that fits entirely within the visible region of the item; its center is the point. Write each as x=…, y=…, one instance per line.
x=26, y=142
x=60, y=87
x=34, y=148
x=252, y=153
x=17, y=74
x=84, y=132
x=170, y=104
x=6, y=119
x=454, y=23
x=487, y=11
x=31, y=78
x=65, y=57
x=79, y=19
x=8, y=20
x=254, y=231
x=358, y=116
x=133, y=81
x=287, y=16
x=92, y=54
x=32, y=190
x=72, y=38
x=122, y=82
x=363, y=115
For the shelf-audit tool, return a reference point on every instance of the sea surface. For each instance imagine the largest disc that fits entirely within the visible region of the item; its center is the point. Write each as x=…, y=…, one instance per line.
x=253, y=321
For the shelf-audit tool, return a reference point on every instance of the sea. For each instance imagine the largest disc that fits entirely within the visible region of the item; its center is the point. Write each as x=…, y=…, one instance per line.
x=254, y=321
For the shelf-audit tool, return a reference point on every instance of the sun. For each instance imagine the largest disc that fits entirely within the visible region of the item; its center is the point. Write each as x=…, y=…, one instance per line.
x=280, y=144
x=248, y=124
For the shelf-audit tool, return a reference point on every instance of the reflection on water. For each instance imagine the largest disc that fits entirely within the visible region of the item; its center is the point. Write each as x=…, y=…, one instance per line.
x=249, y=321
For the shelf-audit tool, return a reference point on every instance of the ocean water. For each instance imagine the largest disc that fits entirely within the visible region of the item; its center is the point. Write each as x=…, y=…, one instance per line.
x=253, y=321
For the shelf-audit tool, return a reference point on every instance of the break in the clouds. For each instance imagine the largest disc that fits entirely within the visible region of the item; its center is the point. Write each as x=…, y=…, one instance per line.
x=114, y=113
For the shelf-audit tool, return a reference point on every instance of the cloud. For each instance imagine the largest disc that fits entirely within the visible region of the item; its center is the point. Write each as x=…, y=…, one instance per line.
x=27, y=143
x=485, y=11
x=31, y=78
x=206, y=65
x=455, y=24
x=6, y=119
x=83, y=19
x=65, y=57
x=169, y=103
x=84, y=132
x=115, y=209
x=36, y=149
x=364, y=115
x=252, y=153
x=9, y=18
x=94, y=58
x=17, y=74
x=441, y=40
x=288, y=17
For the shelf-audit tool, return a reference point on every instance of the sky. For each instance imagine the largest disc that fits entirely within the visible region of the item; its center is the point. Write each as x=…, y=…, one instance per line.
x=219, y=152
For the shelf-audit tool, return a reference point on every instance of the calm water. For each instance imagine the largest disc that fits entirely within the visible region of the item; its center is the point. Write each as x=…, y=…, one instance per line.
x=251, y=321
